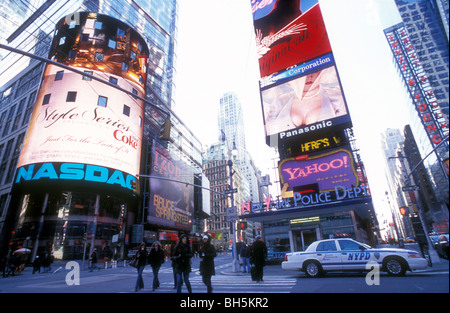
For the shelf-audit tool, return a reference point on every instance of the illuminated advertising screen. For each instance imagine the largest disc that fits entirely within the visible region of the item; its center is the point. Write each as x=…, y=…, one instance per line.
x=288, y=33
x=305, y=104
x=82, y=130
x=171, y=195
x=320, y=173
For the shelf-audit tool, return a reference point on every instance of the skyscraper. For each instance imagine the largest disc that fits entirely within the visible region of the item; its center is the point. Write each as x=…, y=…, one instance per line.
x=424, y=71
x=112, y=216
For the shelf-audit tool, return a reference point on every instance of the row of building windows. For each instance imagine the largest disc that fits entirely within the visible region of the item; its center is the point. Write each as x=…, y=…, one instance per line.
x=102, y=101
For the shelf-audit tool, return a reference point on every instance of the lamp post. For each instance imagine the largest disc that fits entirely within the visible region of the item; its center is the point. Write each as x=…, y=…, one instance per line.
x=434, y=258
x=235, y=263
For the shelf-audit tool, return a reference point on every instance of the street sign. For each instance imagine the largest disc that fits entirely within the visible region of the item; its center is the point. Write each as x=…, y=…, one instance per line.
x=230, y=191
x=232, y=214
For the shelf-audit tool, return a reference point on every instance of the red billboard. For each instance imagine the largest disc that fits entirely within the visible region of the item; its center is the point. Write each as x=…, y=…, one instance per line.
x=288, y=33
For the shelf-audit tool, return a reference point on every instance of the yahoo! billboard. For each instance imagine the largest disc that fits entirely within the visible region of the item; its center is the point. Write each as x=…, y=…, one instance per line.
x=326, y=171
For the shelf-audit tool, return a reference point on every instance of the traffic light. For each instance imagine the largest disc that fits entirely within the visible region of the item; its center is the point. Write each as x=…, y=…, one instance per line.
x=85, y=237
x=11, y=241
x=135, y=186
x=165, y=130
x=242, y=225
x=404, y=210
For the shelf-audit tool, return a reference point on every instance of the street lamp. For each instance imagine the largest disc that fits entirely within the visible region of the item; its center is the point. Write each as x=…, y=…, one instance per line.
x=412, y=188
x=235, y=267
x=235, y=263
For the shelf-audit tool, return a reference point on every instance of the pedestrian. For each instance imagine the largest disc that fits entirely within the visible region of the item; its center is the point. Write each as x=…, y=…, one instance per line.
x=207, y=253
x=182, y=255
x=156, y=259
x=93, y=260
x=245, y=253
x=258, y=257
x=37, y=264
x=141, y=256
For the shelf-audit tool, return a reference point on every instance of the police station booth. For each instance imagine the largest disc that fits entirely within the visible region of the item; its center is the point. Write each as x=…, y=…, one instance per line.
x=292, y=224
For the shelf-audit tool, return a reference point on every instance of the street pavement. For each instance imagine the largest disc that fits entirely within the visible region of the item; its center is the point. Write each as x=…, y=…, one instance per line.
x=122, y=279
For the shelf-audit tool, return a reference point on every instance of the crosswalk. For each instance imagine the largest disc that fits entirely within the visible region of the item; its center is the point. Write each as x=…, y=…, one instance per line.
x=231, y=283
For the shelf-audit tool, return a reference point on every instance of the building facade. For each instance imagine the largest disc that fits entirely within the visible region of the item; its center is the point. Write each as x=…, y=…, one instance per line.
x=427, y=116
x=110, y=219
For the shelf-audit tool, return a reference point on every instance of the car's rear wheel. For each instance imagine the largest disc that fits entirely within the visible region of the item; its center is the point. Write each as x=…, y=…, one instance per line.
x=395, y=266
x=313, y=269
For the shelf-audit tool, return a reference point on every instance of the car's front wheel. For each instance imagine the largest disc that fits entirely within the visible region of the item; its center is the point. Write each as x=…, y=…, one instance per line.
x=395, y=266
x=313, y=269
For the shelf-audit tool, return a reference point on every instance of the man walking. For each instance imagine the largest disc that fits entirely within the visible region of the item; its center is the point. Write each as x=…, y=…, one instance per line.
x=258, y=257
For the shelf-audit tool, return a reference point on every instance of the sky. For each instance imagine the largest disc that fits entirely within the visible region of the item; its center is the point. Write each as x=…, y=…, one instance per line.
x=216, y=54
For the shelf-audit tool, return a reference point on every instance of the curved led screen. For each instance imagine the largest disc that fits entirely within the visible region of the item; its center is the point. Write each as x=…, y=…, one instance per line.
x=82, y=129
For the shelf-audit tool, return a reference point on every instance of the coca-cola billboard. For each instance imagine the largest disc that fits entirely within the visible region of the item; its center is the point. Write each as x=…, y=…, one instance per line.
x=82, y=129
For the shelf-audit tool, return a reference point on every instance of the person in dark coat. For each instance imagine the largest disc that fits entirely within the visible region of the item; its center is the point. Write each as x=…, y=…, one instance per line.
x=258, y=257
x=156, y=259
x=182, y=255
x=37, y=264
x=94, y=260
x=245, y=252
x=207, y=254
x=141, y=257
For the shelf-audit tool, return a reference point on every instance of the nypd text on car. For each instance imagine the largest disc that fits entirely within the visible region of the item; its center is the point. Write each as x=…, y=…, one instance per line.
x=349, y=255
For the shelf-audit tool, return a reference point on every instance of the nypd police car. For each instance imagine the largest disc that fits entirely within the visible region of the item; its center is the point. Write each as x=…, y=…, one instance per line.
x=349, y=255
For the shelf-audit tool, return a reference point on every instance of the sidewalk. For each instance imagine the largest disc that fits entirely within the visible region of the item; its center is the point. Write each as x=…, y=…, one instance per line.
x=437, y=267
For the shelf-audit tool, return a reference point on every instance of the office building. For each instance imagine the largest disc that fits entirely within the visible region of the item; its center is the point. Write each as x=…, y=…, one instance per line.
x=83, y=211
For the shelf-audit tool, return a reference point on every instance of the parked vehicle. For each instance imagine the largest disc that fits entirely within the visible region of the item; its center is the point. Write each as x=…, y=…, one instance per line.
x=349, y=255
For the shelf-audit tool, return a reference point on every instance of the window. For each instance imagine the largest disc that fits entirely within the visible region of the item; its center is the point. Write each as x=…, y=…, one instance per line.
x=98, y=25
x=62, y=40
x=71, y=96
x=348, y=245
x=86, y=77
x=112, y=44
x=59, y=75
x=102, y=101
x=113, y=80
x=126, y=110
x=72, y=24
x=98, y=57
x=46, y=99
x=120, y=32
x=326, y=246
x=124, y=66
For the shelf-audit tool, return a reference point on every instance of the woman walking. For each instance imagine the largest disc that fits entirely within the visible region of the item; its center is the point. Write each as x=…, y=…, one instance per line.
x=156, y=259
x=207, y=268
x=182, y=255
x=141, y=257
